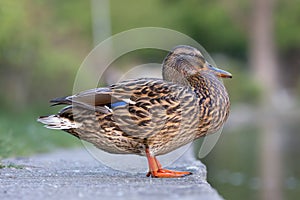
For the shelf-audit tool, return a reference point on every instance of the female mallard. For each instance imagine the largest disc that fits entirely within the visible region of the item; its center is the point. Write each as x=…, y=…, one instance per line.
x=148, y=116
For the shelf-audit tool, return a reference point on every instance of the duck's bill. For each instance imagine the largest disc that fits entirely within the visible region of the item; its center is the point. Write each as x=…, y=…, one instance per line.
x=221, y=73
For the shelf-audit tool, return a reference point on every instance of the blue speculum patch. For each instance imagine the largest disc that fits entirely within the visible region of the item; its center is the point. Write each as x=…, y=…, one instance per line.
x=117, y=104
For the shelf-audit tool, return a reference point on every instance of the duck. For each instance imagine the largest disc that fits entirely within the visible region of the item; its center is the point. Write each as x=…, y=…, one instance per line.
x=149, y=116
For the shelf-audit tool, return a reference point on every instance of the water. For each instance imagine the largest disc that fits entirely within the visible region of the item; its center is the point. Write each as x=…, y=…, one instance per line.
x=234, y=164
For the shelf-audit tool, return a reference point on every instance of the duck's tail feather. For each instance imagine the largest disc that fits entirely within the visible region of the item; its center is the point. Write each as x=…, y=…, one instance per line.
x=58, y=122
x=61, y=101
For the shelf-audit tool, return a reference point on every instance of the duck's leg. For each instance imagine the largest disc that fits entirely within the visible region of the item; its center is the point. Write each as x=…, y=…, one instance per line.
x=156, y=170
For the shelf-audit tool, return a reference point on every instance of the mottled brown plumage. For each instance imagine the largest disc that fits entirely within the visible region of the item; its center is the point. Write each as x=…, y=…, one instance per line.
x=148, y=116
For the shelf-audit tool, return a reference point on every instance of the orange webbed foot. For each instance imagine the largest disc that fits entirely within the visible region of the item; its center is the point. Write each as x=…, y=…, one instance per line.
x=165, y=173
x=156, y=170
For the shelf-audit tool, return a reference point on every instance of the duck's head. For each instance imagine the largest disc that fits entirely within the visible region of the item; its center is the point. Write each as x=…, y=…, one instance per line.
x=184, y=61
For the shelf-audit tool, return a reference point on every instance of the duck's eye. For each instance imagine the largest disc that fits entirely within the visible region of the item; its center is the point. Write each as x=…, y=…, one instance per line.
x=192, y=54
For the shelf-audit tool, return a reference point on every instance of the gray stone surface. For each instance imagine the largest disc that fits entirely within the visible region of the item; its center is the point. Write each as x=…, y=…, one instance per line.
x=74, y=174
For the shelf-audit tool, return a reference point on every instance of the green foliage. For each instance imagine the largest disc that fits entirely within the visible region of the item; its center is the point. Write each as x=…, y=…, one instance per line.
x=205, y=21
x=37, y=44
x=11, y=165
x=287, y=21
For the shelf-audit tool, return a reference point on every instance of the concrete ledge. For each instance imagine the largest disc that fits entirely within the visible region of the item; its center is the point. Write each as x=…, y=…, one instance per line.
x=74, y=174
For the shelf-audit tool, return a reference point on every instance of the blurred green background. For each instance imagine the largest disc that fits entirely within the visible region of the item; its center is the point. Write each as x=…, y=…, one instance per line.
x=43, y=43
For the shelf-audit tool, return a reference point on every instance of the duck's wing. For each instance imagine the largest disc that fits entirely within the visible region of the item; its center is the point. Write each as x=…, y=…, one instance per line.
x=110, y=96
x=93, y=99
x=121, y=91
x=139, y=94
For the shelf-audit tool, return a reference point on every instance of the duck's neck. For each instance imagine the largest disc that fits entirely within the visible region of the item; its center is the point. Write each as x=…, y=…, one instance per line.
x=208, y=85
x=200, y=79
x=213, y=97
